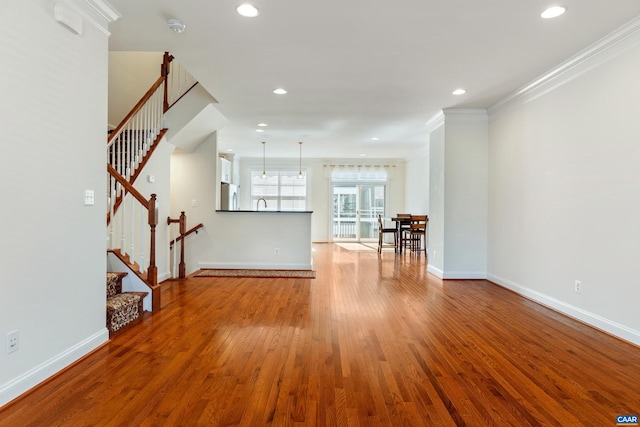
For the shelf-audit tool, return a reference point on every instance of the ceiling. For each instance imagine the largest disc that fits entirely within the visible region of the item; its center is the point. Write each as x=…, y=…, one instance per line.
x=357, y=70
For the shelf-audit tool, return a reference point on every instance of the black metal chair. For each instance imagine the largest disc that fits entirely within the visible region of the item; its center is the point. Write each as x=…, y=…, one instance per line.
x=382, y=231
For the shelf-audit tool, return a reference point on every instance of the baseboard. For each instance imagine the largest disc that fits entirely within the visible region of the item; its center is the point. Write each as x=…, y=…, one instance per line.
x=452, y=275
x=435, y=271
x=256, y=266
x=164, y=276
x=23, y=383
x=464, y=275
x=606, y=325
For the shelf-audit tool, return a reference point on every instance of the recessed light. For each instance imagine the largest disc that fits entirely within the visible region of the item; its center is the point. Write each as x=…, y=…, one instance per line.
x=279, y=91
x=259, y=130
x=363, y=155
x=553, y=12
x=459, y=92
x=262, y=124
x=374, y=138
x=247, y=10
x=229, y=150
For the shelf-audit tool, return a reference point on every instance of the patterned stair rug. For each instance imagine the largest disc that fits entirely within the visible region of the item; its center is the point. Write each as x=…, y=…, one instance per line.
x=242, y=272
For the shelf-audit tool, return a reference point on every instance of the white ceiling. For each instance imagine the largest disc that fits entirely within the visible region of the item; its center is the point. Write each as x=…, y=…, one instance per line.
x=359, y=69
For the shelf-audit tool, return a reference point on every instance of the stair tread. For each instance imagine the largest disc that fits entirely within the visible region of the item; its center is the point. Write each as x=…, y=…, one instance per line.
x=125, y=298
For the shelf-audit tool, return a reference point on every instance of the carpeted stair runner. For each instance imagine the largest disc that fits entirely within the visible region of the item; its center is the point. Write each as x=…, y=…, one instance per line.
x=122, y=307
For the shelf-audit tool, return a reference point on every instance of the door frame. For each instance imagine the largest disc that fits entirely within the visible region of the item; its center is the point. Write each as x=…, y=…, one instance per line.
x=358, y=186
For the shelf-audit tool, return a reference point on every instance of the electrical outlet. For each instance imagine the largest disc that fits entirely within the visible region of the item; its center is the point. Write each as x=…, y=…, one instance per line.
x=276, y=251
x=434, y=254
x=13, y=342
x=578, y=287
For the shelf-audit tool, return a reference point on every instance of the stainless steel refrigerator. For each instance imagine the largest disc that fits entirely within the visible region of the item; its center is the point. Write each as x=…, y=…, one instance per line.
x=228, y=197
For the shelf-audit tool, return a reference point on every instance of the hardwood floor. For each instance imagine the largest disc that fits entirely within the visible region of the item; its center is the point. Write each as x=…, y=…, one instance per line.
x=373, y=340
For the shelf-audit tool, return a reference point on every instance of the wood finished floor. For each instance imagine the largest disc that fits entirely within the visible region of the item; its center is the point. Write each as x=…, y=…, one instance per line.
x=373, y=340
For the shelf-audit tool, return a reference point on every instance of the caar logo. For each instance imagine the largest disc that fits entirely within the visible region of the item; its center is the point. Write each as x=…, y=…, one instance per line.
x=627, y=420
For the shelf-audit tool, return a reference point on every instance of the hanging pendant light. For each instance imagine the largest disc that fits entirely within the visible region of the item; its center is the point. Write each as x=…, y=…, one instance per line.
x=264, y=169
x=300, y=176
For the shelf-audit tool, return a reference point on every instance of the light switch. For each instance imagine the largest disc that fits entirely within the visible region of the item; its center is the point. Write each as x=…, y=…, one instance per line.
x=194, y=203
x=151, y=178
x=89, y=199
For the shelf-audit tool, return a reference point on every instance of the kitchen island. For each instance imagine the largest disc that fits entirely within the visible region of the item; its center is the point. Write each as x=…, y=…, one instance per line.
x=262, y=240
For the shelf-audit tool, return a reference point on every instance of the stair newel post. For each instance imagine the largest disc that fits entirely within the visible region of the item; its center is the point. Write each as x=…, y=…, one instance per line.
x=182, y=269
x=164, y=72
x=182, y=221
x=152, y=273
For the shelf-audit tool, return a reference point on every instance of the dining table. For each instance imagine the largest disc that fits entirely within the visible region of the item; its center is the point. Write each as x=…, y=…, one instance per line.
x=400, y=221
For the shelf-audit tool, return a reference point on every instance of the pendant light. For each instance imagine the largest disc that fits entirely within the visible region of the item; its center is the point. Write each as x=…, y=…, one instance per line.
x=264, y=169
x=300, y=176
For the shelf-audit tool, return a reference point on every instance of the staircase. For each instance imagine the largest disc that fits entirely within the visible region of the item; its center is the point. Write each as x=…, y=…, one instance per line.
x=123, y=308
x=131, y=216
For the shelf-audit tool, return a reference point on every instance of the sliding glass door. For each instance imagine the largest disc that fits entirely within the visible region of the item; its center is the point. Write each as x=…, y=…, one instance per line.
x=355, y=211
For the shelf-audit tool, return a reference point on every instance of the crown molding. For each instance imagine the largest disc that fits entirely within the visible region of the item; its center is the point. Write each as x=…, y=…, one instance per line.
x=614, y=44
x=465, y=115
x=435, y=122
x=98, y=13
x=108, y=12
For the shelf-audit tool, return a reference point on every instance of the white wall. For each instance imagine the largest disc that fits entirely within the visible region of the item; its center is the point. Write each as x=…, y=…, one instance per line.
x=436, y=200
x=465, y=195
x=416, y=192
x=131, y=74
x=564, y=196
x=193, y=179
x=159, y=166
x=54, y=107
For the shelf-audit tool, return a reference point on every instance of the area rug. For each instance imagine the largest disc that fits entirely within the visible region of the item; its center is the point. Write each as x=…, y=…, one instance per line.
x=241, y=272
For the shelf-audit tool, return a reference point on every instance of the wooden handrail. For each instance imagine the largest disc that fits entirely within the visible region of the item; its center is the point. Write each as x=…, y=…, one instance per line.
x=136, y=108
x=180, y=97
x=128, y=187
x=190, y=231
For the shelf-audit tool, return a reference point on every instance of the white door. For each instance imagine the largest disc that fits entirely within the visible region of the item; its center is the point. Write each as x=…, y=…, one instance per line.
x=355, y=211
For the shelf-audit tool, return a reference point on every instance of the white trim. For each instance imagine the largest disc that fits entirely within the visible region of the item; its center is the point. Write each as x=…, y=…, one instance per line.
x=87, y=12
x=435, y=122
x=21, y=384
x=435, y=271
x=105, y=10
x=591, y=319
x=254, y=266
x=614, y=44
x=453, y=275
x=463, y=275
x=465, y=115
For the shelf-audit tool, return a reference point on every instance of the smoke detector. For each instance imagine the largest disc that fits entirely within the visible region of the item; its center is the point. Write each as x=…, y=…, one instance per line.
x=176, y=25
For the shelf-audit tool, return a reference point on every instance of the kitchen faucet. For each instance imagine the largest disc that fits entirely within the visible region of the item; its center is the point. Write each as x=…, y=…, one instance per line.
x=258, y=203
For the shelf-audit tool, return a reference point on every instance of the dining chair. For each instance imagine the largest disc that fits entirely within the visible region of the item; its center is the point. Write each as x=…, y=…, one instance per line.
x=382, y=231
x=404, y=226
x=418, y=233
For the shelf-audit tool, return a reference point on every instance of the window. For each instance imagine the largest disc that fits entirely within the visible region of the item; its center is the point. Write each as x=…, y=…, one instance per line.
x=282, y=190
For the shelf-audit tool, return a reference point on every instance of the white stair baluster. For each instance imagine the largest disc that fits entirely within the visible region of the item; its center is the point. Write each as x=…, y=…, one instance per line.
x=123, y=227
x=143, y=216
x=132, y=250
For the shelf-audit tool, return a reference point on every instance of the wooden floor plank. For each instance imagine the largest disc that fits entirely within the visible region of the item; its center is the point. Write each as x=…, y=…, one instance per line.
x=373, y=340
